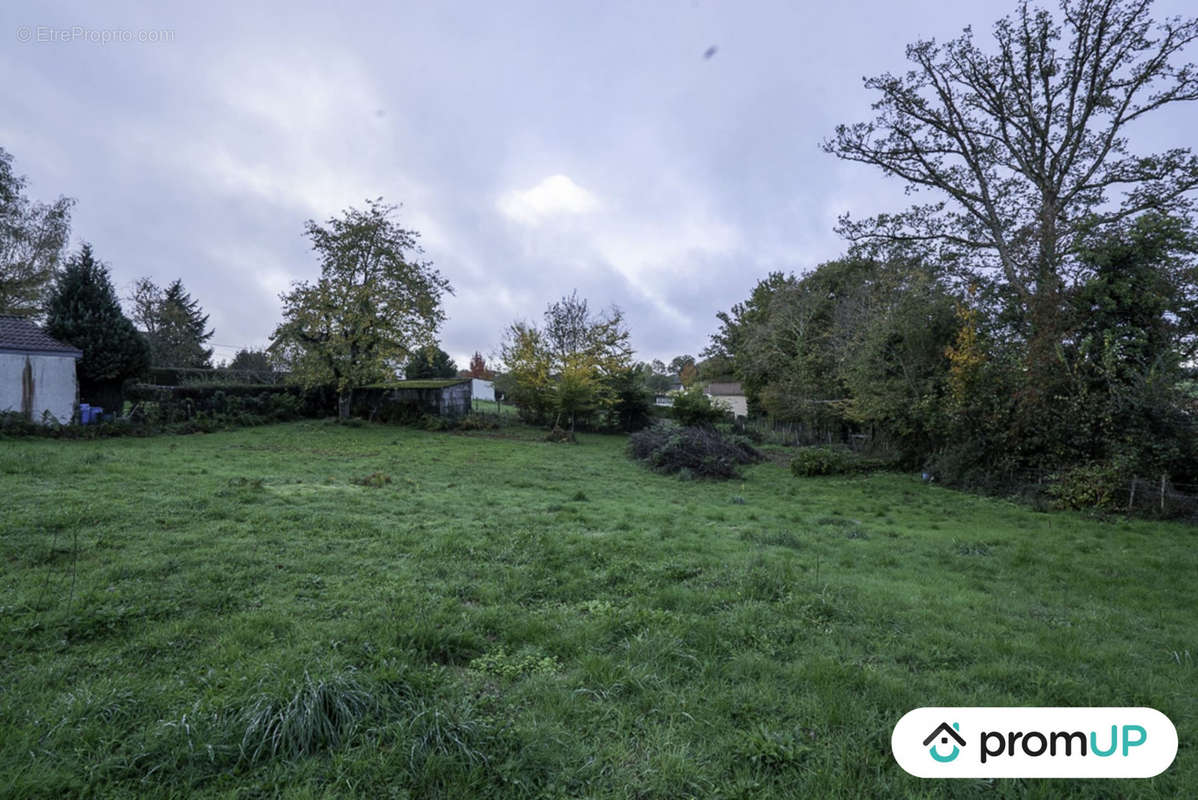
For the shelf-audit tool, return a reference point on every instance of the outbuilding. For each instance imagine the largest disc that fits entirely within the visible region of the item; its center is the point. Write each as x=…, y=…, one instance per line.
x=37, y=372
x=446, y=398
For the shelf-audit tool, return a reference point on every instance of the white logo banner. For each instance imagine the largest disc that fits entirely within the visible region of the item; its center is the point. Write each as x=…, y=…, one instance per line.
x=1008, y=742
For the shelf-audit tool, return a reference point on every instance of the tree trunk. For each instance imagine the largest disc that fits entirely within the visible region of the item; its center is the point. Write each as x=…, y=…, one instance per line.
x=344, y=401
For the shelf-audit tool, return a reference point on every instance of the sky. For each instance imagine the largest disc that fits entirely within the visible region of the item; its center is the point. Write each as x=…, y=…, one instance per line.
x=658, y=156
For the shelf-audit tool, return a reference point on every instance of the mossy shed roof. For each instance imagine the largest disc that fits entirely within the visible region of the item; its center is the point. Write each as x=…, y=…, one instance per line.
x=430, y=384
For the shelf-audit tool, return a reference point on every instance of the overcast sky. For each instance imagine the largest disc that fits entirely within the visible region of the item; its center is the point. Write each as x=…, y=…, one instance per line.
x=536, y=147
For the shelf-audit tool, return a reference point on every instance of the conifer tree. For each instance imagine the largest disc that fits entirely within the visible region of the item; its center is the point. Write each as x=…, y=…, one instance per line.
x=83, y=311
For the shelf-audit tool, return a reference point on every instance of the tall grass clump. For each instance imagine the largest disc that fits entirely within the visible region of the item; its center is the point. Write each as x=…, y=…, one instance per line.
x=320, y=714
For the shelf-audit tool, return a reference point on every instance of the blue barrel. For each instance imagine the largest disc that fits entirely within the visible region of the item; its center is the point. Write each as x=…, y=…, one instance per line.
x=84, y=413
x=97, y=412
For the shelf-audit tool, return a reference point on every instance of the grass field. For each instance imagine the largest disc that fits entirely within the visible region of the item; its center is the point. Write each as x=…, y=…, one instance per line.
x=315, y=610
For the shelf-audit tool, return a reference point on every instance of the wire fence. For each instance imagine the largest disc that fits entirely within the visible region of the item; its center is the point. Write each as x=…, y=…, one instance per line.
x=1160, y=496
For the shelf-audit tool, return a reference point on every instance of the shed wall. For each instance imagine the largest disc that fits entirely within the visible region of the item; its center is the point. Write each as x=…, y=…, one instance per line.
x=482, y=390
x=54, y=385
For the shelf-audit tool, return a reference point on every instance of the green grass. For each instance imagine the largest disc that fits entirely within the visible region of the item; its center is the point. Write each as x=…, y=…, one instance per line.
x=491, y=407
x=323, y=610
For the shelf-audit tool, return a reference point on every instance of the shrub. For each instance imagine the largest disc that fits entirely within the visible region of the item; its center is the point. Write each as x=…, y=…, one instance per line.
x=693, y=409
x=435, y=423
x=1096, y=486
x=478, y=422
x=691, y=452
x=811, y=461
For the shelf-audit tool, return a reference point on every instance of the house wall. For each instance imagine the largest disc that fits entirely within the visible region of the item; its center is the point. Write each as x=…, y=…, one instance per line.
x=54, y=385
x=482, y=390
x=737, y=402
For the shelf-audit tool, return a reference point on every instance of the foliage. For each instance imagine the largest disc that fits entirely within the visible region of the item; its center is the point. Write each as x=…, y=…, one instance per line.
x=224, y=404
x=688, y=374
x=693, y=408
x=570, y=366
x=654, y=376
x=716, y=368
x=701, y=452
x=250, y=360
x=679, y=363
x=430, y=362
x=812, y=461
x=32, y=238
x=372, y=307
x=1134, y=330
x=1024, y=146
x=633, y=406
x=1090, y=486
x=83, y=311
x=173, y=324
x=857, y=343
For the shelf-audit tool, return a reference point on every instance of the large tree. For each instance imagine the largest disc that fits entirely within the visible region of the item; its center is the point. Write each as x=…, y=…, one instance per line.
x=1024, y=146
x=32, y=238
x=372, y=308
x=83, y=310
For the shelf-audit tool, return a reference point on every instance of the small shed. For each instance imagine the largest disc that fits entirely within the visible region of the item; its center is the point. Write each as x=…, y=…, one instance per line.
x=447, y=398
x=37, y=372
x=482, y=390
x=732, y=394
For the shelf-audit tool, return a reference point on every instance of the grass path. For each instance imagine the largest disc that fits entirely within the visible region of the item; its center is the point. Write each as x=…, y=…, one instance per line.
x=319, y=610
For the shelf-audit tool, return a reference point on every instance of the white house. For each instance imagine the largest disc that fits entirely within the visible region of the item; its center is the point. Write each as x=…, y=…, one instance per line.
x=482, y=390
x=732, y=395
x=37, y=373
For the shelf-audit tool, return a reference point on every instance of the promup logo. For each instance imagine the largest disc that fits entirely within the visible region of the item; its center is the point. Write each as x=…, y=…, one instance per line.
x=944, y=732
x=1034, y=742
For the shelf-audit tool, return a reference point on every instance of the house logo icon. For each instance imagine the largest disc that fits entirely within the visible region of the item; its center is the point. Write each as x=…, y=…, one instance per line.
x=944, y=731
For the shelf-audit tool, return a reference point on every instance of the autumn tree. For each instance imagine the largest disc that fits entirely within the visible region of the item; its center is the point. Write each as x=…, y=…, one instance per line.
x=478, y=367
x=679, y=363
x=1024, y=147
x=32, y=238
x=374, y=305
